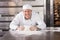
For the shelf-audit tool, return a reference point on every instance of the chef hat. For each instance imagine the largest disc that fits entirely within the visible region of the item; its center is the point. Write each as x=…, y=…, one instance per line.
x=27, y=6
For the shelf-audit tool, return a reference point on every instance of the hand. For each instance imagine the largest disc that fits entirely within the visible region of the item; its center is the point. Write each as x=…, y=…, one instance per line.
x=21, y=28
x=33, y=28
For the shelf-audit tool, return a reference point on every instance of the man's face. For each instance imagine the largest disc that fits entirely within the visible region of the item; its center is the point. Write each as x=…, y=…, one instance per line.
x=27, y=13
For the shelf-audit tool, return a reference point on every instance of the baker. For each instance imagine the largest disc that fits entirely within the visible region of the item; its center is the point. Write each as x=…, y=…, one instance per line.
x=27, y=19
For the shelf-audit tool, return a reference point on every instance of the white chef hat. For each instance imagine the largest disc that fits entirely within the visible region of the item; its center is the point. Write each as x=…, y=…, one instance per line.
x=27, y=6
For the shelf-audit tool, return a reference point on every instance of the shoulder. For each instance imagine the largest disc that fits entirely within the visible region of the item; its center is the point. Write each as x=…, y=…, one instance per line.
x=35, y=13
x=19, y=14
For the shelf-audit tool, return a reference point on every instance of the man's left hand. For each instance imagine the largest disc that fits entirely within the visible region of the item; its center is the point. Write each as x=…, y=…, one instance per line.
x=33, y=28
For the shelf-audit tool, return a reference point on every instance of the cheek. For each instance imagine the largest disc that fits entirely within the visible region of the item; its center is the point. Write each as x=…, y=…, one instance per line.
x=27, y=13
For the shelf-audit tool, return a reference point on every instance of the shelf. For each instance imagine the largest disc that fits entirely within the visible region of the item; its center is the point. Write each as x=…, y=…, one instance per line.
x=57, y=20
x=5, y=0
x=20, y=6
x=56, y=17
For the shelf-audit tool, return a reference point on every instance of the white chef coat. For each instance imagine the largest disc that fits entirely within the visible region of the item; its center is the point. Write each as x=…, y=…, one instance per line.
x=19, y=20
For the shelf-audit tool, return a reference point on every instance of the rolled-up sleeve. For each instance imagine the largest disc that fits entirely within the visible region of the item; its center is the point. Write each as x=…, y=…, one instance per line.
x=41, y=25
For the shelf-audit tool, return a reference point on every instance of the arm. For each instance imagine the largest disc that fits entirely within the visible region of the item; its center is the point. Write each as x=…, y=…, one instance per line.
x=40, y=23
x=15, y=22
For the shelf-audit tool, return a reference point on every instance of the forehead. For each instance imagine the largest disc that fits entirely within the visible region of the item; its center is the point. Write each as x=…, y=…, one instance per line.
x=27, y=10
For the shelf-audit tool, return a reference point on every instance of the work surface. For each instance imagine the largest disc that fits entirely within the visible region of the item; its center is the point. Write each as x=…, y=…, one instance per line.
x=49, y=35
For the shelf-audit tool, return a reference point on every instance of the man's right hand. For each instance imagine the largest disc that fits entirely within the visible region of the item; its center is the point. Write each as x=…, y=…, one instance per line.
x=21, y=28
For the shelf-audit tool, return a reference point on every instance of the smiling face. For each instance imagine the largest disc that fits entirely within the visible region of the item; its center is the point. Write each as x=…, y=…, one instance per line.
x=27, y=13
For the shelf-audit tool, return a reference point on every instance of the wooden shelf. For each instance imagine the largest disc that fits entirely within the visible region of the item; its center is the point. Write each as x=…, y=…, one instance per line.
x=5, y=0
x=20, y=6
x=56, y=17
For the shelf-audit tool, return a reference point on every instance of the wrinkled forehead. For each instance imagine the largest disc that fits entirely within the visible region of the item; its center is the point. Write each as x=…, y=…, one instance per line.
x=27, y=10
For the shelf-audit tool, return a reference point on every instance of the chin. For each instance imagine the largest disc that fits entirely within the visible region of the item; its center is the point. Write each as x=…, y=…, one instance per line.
x=27, y=18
